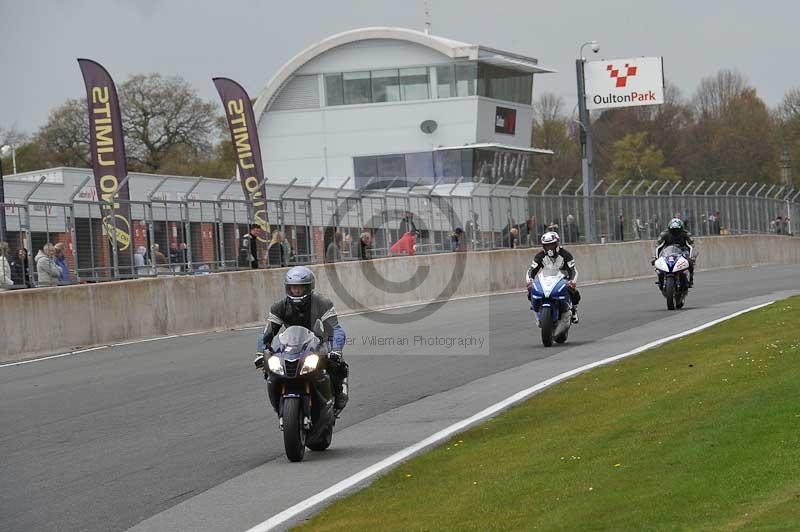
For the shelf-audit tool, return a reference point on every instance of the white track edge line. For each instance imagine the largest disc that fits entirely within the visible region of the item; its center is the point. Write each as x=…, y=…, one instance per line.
x=408, y=452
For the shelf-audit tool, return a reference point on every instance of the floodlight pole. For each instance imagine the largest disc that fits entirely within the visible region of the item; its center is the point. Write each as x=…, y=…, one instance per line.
x=587, y=151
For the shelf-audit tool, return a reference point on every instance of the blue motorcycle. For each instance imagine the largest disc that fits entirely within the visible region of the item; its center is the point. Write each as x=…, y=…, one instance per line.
x=552, y=304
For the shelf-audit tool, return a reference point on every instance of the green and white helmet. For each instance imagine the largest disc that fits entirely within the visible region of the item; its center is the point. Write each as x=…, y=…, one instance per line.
x=675, y=225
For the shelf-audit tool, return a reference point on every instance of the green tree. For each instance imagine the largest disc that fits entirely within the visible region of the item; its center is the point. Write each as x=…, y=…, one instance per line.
x=636, y=159
x=552, y=130
x=64, y=139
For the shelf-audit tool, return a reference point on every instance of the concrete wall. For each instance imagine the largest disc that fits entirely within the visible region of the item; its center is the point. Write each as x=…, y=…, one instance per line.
x=48, y=320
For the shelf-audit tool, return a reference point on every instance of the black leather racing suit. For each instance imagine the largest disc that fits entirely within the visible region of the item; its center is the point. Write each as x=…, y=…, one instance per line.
x=564, y=262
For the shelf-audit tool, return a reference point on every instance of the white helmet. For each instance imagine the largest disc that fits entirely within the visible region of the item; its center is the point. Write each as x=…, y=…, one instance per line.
x=551, y=243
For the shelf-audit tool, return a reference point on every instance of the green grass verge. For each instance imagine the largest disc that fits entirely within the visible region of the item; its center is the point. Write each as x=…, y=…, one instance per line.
x=700, y=434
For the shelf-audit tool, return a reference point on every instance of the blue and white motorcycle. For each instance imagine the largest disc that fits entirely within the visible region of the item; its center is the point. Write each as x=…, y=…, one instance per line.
x=553, y=307
x=672, y=268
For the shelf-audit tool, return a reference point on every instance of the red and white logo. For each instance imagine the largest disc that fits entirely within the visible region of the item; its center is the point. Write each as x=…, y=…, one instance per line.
x=622, y=80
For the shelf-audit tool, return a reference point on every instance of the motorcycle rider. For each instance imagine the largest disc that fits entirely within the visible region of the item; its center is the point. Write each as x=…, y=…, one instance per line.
x=303, y=306
x=677, y=235
x=553, y=256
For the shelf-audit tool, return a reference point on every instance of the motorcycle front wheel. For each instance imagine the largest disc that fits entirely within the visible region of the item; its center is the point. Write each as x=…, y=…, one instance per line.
x=547, y=326
x=294, y=436
x=669, y=292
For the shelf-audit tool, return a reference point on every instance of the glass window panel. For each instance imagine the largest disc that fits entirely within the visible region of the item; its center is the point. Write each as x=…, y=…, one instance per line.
x=356, y=87
x=414, y=83
x=445, y=81
x=466, y=74
x=447, y=165
x=419, y=165
x=385, y=86
x=364, y=169
x=334, y=93
x=391, y=167
x=505, y=84
x=466, y=163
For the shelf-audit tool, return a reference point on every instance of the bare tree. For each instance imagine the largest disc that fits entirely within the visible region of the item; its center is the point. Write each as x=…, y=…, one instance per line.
x=716, y=92
x=11, y=135
x=161, y=114
x=548, y=107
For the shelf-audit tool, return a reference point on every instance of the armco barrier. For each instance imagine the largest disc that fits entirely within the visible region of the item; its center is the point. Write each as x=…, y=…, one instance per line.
x=48, y=320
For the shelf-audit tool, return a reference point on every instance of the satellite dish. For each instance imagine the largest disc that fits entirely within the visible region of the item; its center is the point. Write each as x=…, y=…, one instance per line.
x=428, y=126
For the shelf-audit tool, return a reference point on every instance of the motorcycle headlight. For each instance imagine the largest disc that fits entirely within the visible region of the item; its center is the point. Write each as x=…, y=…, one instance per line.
x=309, y=364
x=275, y=365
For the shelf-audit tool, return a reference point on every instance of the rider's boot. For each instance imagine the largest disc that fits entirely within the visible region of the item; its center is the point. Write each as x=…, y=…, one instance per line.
x=575, y=318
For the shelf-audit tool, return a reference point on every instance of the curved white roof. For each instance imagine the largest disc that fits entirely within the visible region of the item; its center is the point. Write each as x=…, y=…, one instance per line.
x=447, y=47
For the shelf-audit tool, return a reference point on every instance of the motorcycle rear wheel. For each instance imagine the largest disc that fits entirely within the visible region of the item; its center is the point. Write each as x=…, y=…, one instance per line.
x=294, y=436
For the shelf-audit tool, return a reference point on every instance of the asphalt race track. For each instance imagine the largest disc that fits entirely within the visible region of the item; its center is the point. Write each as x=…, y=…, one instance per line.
x=176, y=434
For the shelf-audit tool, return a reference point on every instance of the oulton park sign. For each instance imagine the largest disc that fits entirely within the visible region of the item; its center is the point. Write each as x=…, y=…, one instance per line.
x=624, y=82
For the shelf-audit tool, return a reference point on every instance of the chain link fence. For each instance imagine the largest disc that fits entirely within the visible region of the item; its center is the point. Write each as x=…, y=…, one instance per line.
x=190, y=234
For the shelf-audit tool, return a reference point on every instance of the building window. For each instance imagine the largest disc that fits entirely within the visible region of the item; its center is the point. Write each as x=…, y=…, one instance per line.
x=505, y=84
x=385, y=86
x=392, y=170
x=419, y=166
x=356, y=87
x=334, y=93
x=364, y=170
x=466, y=76
x=414, y=83
x=445, y=81
x=447, y=164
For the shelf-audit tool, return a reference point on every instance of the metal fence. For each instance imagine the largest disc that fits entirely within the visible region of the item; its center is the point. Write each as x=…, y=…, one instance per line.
x=194, y=235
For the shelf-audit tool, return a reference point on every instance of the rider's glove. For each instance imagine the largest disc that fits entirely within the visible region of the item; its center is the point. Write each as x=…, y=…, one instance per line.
x=653, y=262
x=571, y=284
x=336, y=356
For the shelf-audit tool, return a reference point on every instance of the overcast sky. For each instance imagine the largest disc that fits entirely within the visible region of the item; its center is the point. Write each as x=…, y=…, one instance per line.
x=248, y=40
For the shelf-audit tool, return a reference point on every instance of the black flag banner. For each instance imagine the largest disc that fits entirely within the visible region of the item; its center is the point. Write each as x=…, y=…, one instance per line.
x=108, y=156
x=242, y=123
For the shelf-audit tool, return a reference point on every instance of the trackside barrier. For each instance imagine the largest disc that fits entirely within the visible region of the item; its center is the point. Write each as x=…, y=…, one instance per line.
x=49, y=320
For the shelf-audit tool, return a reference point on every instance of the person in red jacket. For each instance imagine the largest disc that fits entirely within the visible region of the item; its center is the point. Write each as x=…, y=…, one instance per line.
x=404, y=246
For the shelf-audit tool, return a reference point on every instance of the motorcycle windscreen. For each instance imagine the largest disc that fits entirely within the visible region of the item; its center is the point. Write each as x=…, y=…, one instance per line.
x=671, y=250
x=296, y=340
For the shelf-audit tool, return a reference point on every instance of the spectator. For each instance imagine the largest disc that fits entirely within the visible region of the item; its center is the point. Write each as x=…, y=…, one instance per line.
x=159, y=259
x=20, y=269
x=275, y=251
x=47, y=270
x=620, y=228
x=287, y=249
x=365, y=246
x=457, y=240
x=407, y=223
x=6, y=281
x=514, y=238
x=175, y=261
x=571, y=233
x=61, y=261
x=717, y=224
x=139, y=262
x=406, y=245
x=778, y=223
x=248, y=252
x=334, y=251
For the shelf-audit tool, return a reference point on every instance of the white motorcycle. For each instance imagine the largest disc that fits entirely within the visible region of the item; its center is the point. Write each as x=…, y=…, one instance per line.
x=672, y=268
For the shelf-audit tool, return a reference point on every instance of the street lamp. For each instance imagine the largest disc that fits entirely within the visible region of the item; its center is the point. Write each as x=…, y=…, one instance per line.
x=5, y=150
x=587, y=163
